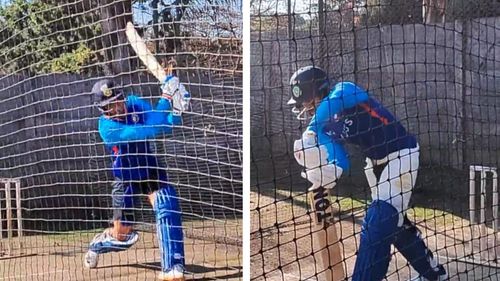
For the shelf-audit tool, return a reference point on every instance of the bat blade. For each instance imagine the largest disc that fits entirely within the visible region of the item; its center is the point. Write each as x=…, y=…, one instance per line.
x=328, y=251
x=142, y=51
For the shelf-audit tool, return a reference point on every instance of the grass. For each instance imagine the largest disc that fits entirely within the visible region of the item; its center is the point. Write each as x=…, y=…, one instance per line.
x=348, y=204
x=226, y=228
x=440, y=218
x=74, y=236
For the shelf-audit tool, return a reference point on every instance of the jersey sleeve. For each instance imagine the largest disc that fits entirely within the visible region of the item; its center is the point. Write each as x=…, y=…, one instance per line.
x=343, y=96
x=170, y=119
x=161, y=117
x=113, y=132
x=159, y=120
x=143, y=105
x=337, y=154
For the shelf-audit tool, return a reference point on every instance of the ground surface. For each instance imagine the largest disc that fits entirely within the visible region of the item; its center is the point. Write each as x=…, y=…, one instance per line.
x=212, y=253
x=281, y=243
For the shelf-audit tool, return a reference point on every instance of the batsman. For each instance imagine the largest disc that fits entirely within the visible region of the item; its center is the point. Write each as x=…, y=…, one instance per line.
x=126, y=126
x=343, y=113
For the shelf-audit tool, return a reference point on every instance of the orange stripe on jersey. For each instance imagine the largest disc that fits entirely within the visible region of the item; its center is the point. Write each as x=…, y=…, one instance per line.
x=374, y=114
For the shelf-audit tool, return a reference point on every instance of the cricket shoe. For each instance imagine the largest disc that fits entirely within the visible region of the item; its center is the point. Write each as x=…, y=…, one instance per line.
x=104, y=243
x=175, y=274
x=91, y=259
x=442, y=275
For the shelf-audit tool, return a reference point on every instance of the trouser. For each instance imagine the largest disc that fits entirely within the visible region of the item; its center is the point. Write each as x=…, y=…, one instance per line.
x=391, y=182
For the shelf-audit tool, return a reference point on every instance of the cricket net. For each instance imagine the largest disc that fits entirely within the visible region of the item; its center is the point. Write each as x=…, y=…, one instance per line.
x=432, y=65
x=55, y=172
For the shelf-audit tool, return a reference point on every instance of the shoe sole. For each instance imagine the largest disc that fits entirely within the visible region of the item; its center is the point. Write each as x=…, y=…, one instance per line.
x=172, y=279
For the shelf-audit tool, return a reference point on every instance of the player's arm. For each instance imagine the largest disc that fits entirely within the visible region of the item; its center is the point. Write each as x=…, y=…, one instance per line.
x=156, y=121
x=343, y=96
x=324, y=160
x=171, y=119
x=160, y=118
x=115, y=132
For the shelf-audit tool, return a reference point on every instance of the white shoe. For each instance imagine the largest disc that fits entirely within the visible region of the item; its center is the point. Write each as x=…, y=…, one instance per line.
x=91, y=259
x=175, y=274
x=105, y=242
x=442, y=277
x=420, y=278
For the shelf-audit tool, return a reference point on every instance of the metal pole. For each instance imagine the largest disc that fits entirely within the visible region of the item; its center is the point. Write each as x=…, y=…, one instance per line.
x=495, y=213
x=8, y=208
x=19, y=213
x=483, y=240
x=291, y=67
x=472, y=205
x=1, y=219
x=321, y=25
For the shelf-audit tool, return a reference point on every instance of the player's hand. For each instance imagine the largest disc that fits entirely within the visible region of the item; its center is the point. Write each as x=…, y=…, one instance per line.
x=325, y=176
x=174, y=90
x=308, y=153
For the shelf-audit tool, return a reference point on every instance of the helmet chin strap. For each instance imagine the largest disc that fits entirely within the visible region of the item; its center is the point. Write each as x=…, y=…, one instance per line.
x=303, y=114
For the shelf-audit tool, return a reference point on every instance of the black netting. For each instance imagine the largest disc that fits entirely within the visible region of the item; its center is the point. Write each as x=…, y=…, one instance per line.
x=433, y=64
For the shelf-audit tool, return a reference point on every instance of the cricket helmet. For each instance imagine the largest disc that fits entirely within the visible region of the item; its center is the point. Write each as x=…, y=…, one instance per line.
x=306, y=84
x=105, y=93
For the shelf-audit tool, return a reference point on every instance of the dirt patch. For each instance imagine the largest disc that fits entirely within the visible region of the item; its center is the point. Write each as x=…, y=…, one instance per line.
x=60, y=257
x=281, y=245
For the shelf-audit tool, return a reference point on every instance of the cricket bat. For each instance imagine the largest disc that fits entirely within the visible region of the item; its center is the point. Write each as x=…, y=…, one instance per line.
x=144, y=54
x=328, y=251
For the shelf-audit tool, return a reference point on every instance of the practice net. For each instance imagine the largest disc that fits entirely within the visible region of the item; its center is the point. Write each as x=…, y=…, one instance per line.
x=434, y=65
x=55, y=172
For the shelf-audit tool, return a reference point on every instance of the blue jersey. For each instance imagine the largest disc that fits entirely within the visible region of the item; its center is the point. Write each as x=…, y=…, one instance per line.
x=128, y=139
x=349, y=115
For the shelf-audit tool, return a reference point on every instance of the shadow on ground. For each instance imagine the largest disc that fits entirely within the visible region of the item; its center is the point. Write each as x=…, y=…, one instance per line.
x=191, y=269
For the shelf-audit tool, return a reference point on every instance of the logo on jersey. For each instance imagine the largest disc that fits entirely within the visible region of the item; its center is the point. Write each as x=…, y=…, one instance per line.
x=135, y=118
x=340, y=127
x=346, y=128
x=330, y=133
x=296, y=91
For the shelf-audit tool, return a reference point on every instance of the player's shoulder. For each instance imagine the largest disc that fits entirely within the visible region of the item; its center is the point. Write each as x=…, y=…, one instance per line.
x=141, y=102
x=133, y=98
x=103, y=120
x=346, y=87
x=106, y=123
x=374, y=103
x=345, y=84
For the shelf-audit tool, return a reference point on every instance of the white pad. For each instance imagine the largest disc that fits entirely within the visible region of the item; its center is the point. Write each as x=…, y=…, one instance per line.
x=370, y=175
x=396, y=180
x=307, y=152
x=325, y=176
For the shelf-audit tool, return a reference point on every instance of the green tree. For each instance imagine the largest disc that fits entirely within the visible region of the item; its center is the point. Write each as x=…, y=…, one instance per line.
x=182, y=26
x=37, y=35
x=41, y=36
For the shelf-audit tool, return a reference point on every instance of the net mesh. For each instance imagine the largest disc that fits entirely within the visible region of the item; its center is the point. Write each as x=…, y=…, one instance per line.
x=433, y=65
x=52, y=52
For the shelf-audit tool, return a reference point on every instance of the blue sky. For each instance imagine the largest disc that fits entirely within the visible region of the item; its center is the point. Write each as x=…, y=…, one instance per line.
x=281, y=6
x=143, y=12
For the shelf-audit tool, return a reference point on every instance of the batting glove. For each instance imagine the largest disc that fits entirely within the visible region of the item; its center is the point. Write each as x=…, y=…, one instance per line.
x=174, y=90
x=325, y=176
